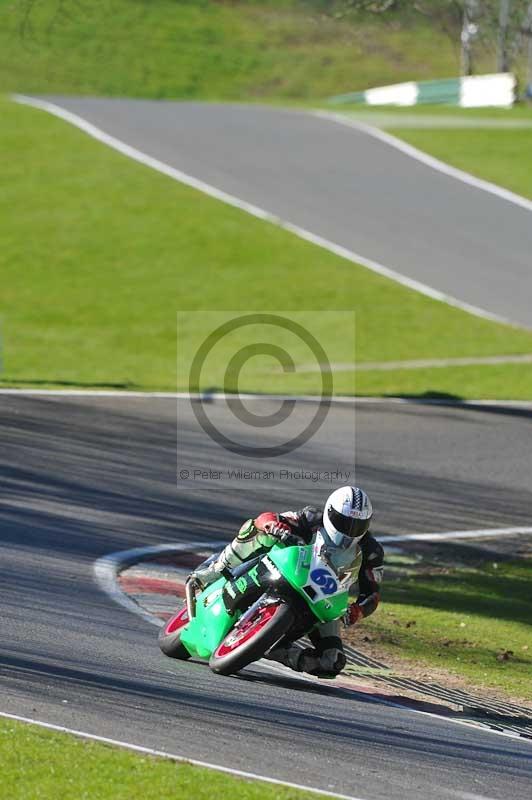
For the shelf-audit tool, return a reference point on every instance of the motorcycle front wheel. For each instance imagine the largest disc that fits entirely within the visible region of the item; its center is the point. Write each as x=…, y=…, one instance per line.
x=252, y=636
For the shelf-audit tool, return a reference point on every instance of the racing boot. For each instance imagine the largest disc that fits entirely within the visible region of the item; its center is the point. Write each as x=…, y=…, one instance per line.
x=327, y=665
x=294, y=657
x=211, y=569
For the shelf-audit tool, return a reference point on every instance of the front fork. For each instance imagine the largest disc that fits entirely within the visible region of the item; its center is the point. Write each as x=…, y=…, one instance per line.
x=247, y=591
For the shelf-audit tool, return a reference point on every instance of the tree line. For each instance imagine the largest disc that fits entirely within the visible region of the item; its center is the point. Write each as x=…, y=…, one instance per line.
x=501, y=26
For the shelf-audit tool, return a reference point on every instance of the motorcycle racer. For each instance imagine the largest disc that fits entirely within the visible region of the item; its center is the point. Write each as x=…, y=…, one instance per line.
x=344, y=524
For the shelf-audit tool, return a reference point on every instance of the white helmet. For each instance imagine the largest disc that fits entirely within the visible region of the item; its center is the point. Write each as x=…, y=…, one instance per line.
x=347, y=515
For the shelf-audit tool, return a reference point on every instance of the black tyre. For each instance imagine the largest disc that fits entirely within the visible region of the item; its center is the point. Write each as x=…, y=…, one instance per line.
x=170, y=636
x=252, y=637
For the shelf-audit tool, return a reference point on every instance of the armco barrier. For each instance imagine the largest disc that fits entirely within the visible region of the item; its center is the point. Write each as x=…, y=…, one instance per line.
x=475, y=91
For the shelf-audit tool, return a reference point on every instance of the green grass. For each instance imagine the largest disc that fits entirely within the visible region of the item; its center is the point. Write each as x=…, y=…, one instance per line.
x=38, y=764
x=98, y=253
x=211, y=50
x=463, y=620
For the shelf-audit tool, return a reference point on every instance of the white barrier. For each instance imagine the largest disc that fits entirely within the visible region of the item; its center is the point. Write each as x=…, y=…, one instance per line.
x=477, y=91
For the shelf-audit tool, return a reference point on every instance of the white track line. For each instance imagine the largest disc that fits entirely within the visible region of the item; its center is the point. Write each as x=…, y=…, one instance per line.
x=428, y=161
x=256, y=211
x=469, y=534
x=106, y=571
x=418, y=363
x=384, y=119
x=338, y=400
x=173, y=757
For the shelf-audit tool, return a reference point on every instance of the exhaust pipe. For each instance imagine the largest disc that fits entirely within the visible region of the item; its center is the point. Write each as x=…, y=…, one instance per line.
x=190, y=595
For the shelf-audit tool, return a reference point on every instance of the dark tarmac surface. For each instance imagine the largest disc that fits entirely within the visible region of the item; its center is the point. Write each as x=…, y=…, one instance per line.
x=82, y=478
x=343, y=185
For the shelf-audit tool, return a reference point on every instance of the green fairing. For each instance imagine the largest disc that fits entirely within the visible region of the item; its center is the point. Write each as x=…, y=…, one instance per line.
x=211, y=624
x=294, y=565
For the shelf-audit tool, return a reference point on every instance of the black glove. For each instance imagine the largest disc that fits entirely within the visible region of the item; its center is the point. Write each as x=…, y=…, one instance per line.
x=309, y=520
x=289, y=539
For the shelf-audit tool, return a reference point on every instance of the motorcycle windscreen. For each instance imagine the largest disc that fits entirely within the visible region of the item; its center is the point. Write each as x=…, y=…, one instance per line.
x=343, y=559
x=306, y=570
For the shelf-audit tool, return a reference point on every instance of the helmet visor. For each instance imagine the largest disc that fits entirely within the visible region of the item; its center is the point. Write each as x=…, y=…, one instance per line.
x=352, y=527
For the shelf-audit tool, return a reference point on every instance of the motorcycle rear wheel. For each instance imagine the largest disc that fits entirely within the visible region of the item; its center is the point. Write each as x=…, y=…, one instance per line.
x=251, y=638
x=170, y=636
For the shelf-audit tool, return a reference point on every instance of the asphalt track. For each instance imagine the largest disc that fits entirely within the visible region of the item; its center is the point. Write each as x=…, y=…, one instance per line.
x=85, y=477
x=344, y=185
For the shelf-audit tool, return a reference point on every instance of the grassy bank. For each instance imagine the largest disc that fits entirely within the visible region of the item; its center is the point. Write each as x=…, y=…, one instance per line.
x=472, y=621
x=205, y=49
x=38, y=763
x=100, y=252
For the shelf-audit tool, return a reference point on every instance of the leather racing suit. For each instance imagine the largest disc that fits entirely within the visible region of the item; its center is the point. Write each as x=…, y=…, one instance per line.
x=256, y=536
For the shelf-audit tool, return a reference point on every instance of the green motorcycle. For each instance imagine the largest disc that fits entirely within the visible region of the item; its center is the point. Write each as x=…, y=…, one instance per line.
x=269, y=601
